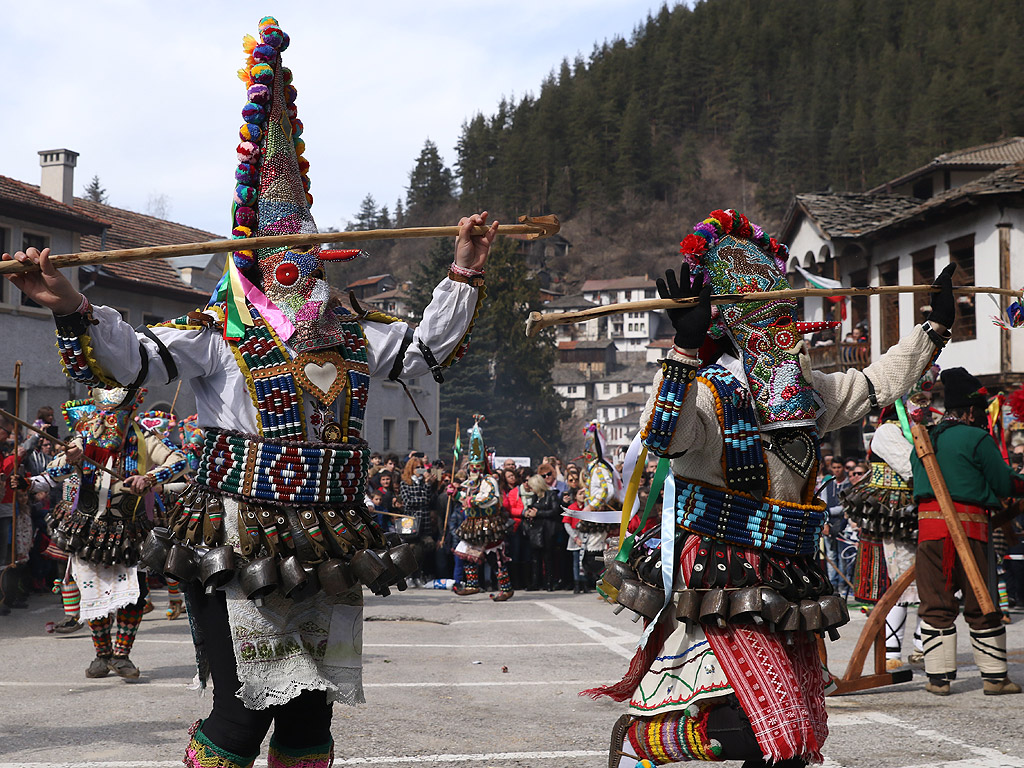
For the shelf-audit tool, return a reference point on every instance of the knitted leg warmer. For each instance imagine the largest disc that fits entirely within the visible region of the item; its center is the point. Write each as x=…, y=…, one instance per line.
x=203, y=753
x=280, y=756
x=101, y=635
x=989, y=646
x=71, y=598
x=674, y=737
x=504, y=581
x=939, y=653
x=128, y=620
x=472, y=575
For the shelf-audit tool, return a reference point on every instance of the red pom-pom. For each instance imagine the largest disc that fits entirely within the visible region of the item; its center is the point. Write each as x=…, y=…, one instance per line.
x=286, y=273
x=744, y=229
x=303, y=165
x=1016, y=403
x=693, y=244
x=245, y=216
x=724, y=218
x=247, y=152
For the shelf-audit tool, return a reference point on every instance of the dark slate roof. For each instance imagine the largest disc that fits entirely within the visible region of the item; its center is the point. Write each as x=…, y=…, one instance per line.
x=25, y=201
x=618, y=283
x=567, y=373
x=626, y=398
x=984, y=156
x=569, y=302
x=586, y=344
x=129, y=229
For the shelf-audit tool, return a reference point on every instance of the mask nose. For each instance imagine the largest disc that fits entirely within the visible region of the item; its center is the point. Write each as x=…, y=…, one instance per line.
x=818, y=325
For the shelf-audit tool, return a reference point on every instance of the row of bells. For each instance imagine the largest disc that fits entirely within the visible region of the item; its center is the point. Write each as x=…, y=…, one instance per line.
x=378, y=569
x=99, y=542
x=878, y=519
x=760, y=605
x=483, y=530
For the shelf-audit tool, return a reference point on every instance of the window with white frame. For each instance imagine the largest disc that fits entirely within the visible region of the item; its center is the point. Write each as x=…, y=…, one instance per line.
x=32, y=240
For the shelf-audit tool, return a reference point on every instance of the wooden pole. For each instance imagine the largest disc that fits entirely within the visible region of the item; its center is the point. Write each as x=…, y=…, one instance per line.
x=531, y=227
x=926, y=452
x=17, y=445
x=175, y=400
x=57, y=441
x=537, y=320
x=448, y=506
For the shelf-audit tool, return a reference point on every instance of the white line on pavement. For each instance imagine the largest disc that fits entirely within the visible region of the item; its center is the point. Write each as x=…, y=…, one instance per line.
x=498, y=621
x=113, y=681
x=467, y=646
x=614, y=640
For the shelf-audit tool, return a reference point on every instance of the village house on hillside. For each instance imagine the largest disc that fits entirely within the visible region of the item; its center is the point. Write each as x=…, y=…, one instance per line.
x=965, y=207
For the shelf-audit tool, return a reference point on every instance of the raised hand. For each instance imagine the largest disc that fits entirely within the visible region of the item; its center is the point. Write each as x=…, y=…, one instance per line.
x=471, y=250
x=943, y=304
x=691, y=323
x=48, y=287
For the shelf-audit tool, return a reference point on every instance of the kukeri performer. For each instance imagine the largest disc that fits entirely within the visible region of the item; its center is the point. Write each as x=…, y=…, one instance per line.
x=883, y=508
x=978, y=479
x=101, y=522
x=274, y=524
x=736, y=408
x=604, y=487
x=483, y=531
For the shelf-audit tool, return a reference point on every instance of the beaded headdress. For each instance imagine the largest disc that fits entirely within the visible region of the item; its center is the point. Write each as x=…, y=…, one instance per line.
x=272, y=198
x=593, y=442
x=477, y=451
x=736, y=256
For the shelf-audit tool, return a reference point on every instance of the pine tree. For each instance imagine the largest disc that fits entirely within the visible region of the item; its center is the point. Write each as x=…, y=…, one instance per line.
x=95, y=192
x=368, y=215
x=430, y=185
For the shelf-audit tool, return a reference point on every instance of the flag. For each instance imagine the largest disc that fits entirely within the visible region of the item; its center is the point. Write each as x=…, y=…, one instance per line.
x=817, y=281
x=458, y=444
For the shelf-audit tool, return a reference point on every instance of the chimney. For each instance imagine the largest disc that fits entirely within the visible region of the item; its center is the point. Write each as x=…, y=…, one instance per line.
x=57, y=179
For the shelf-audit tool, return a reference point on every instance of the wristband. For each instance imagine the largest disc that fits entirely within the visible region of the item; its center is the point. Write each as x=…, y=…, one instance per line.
x=938, y=339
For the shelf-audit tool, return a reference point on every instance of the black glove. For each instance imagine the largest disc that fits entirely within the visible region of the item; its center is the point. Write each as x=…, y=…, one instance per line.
x=691, y=323
x=943, y=303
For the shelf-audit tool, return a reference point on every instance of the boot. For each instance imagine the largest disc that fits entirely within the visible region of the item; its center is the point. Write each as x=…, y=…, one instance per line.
x=100, y=667
x=122, y=666
x=462, y=591
x=174, y=610
x=280, y=756
x=201, y=752
x=501, y=597
x=989, y=647
x=940, y=657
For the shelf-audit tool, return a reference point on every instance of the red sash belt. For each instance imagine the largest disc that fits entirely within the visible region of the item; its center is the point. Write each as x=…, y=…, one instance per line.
x=932, y=527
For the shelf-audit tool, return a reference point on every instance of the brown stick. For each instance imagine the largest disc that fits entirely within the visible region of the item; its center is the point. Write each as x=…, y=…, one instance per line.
x=175, y=400
x=926, y=452
x=537, y=320
x=57, y=441
x=17, y=443
x=532, y=227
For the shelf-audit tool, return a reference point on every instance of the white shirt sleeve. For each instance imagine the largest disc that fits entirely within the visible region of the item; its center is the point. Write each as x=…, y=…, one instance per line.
x=445, y=322
x=889, y=444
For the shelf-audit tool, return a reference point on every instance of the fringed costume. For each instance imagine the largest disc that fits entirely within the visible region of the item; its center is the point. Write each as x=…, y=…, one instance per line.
x=272, y=539
x=728, y=667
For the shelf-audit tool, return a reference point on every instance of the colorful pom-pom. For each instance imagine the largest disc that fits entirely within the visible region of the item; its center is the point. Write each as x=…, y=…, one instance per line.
x=246, y=173
x=241, y=232
x=263, y=54
x=258, y=94
x=296, y=127
x=300, y=146
x=291, y=93
x=303, y=165
x=245, y=216
x=247, y=152
x=286, y=73
x=245, y=195
x=305, y=183
x=272, y=36
x=284, y=42
x=267, y=21
x=293, y=113
x=243, y=259
x=262, y=73
x=309, y=200
x=250, y=132
x=254, y=113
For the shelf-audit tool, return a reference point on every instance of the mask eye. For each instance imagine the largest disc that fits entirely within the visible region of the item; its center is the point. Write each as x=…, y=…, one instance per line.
x=783, y=321
x=286, y=273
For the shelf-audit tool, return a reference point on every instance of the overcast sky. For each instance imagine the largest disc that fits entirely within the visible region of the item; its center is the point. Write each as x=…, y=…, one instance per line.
x=147, y=93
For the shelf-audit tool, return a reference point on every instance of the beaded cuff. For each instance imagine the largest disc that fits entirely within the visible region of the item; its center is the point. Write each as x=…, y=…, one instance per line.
x=76, y=353
x=675, y=381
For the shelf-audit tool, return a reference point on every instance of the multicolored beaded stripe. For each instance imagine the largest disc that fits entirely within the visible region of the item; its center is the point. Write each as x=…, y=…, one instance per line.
x=675, y=382
x=769, y=524
x=283, y=472
x=742, y=453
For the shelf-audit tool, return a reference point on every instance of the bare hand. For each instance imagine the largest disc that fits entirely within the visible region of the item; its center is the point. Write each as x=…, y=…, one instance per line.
x=48, y=287
x=74, y=453
x=471, y=250
x=138, y=484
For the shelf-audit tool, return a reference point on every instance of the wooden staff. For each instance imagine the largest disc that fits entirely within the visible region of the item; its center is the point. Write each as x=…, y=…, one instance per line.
x=531, y=227
x=175, y=400
x=17, y=443
x=926, y=452
x=448, y=506
x=61, y=443
x=537, y=320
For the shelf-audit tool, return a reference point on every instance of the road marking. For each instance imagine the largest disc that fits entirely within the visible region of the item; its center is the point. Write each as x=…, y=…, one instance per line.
x=468, y=646
x=498, y=621
x=111, y=682
x=589, y=627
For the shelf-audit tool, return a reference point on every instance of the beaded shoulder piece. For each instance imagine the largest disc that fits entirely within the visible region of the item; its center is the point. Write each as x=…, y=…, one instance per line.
x=743, y=462
x=77, y=357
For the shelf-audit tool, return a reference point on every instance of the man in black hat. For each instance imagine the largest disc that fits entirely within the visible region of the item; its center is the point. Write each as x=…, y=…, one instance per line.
x=978, y=479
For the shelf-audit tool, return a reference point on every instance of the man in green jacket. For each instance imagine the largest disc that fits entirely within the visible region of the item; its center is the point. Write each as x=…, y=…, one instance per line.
x=978, y=479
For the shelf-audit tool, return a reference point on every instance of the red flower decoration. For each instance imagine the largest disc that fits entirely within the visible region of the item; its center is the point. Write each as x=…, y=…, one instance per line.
x=773, y=244
x=693, y=244
x=724, y=218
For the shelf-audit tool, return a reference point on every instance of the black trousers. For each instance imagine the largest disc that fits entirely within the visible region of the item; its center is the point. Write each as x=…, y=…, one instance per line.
x=303, y=722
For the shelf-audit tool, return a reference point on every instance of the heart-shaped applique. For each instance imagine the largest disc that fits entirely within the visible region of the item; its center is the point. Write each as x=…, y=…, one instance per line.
x=795, y=447
x=324, y=373
x=150, y=423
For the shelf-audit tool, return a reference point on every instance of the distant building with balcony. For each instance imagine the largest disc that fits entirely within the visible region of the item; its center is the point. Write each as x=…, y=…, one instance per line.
x=631, y=331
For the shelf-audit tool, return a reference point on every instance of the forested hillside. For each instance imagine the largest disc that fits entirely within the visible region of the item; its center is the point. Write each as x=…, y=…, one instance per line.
x=732, y=102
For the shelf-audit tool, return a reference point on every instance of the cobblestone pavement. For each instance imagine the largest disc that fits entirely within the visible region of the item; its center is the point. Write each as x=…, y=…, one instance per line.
x=456, y=682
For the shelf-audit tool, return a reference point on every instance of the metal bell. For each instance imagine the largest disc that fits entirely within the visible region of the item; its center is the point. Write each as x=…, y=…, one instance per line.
x=404, y=558
x=216, y=568
x=773, y=605
x=745, y=606
x=293, y=576
x=258, y=579
x=182, y=563
x=714, y=608
x=688, y=605
x=368, y=567
x=810, y=615
x=155, y=549
x=834, y=611
x=618, y=573
x=312, y=584
x=335, y=577
x=637, y=596
x=791, y=619
x=60, y=540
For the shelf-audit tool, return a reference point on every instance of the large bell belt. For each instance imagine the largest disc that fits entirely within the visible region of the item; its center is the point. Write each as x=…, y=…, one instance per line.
x=739, y=518
x=259, y=469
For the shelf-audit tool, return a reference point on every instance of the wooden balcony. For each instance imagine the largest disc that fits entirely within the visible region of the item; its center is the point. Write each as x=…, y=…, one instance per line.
x=833, y=358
